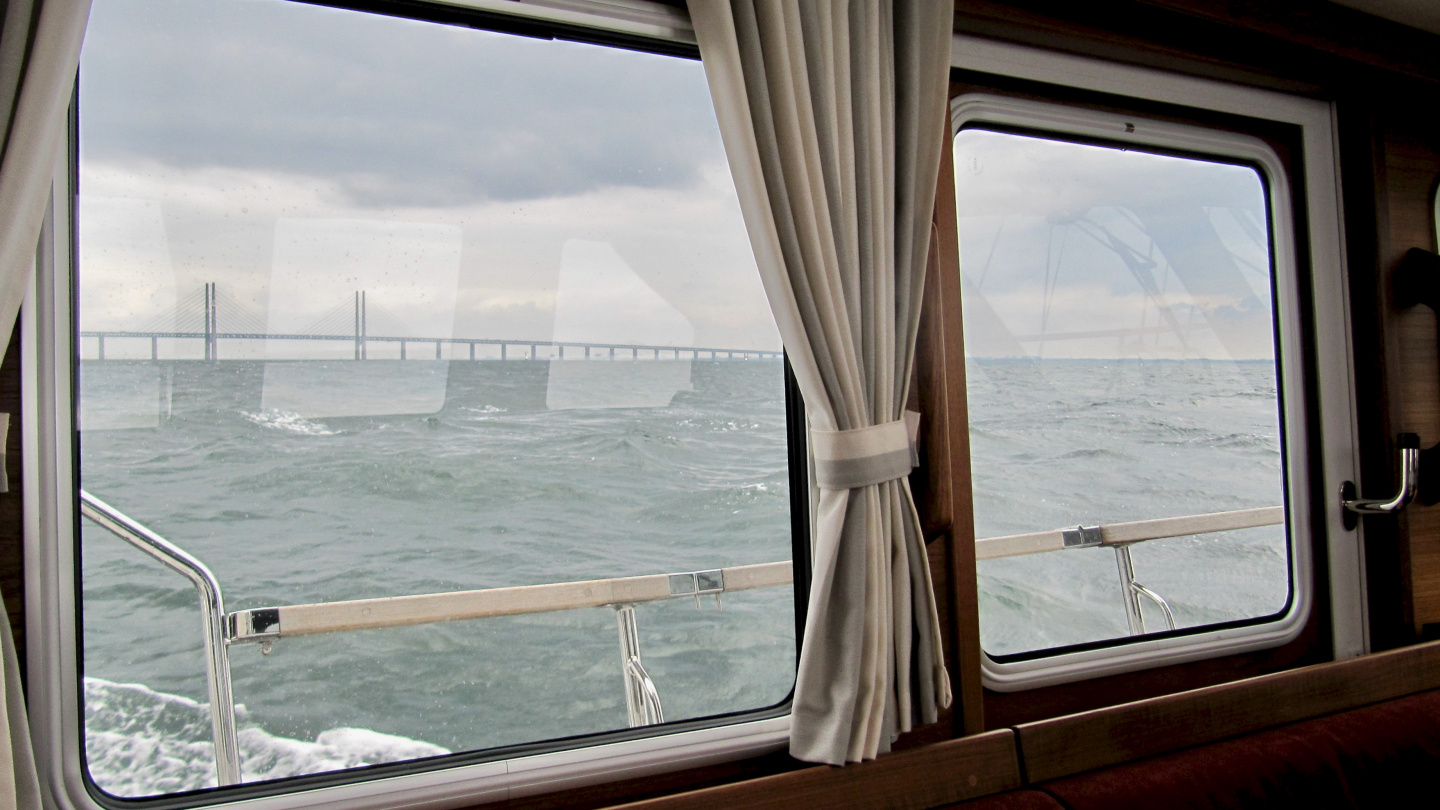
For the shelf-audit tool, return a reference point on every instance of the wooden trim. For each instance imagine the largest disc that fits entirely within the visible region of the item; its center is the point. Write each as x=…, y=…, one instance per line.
x=945, y=341
x=12, y=524
x=946, y=772
x=1326, y=28
x=1082, y=742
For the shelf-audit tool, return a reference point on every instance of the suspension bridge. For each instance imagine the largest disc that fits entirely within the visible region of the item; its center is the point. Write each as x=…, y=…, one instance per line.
x=209, y=315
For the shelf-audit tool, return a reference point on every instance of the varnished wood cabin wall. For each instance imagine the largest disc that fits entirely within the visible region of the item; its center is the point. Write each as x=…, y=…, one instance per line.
x=1408, y=169
x=12, y=524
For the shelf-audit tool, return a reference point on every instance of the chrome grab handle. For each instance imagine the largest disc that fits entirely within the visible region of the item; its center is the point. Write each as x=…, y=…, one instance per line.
x=1409, y=446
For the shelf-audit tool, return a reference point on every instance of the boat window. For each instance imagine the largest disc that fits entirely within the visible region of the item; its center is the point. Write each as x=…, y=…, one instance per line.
x=439, y=355
x=1127, y=439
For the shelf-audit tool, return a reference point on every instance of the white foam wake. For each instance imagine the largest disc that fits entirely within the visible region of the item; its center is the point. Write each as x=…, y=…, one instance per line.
x=140, y=742
x=288, y=421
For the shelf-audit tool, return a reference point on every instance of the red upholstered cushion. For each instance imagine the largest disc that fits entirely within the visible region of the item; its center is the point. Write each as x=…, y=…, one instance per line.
x=1377, y=756
x=1014, y=800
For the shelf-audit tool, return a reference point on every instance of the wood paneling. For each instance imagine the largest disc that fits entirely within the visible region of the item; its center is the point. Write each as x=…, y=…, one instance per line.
x=1063, y=746
x=1411, y=166
x=1298, y=46
x=12, y=527
x=944, y=483
x=925, y=777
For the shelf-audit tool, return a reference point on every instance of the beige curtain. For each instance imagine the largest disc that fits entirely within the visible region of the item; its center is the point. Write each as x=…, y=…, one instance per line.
x=39, y=49
x=833, y=117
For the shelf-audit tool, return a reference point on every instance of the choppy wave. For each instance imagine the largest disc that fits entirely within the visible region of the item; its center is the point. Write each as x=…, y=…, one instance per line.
x=140, y=742
x=288, y=421
x=491, y=490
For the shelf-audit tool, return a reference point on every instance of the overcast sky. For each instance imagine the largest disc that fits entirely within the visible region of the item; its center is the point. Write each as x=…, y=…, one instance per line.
x=209, y=127
x=1167, y=256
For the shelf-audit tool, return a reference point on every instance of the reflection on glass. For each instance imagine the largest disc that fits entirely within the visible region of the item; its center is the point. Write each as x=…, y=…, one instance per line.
x=372, y=307
x=1120, y=367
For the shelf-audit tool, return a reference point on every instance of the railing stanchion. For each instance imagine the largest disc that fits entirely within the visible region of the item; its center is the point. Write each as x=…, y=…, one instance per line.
x=642, y=700
x=1127, y=588
x=212, y=608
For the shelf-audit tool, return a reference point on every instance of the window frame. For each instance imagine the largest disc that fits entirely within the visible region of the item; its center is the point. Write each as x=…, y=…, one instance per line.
x=51, y=500
x=1076, y=125
x=1325, y=437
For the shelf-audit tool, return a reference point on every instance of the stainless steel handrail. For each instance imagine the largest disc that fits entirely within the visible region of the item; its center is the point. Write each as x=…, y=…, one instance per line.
x=212, y=611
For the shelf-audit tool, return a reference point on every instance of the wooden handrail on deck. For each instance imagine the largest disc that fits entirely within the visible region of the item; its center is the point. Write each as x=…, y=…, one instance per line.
x=399, y=611
x=1115, y=534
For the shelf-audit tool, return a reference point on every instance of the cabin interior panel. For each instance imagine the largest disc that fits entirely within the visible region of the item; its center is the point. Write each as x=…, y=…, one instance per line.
x=1409, y=174
x=12, y=522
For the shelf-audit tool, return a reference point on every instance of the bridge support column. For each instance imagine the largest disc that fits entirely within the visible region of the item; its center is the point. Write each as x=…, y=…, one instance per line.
x=102, y=347
x=402, y=350
x=154, y=348
x=437, y=350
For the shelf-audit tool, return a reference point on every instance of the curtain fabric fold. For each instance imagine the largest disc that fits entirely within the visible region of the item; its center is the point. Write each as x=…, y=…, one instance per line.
x=39, y=52
x=833, y=118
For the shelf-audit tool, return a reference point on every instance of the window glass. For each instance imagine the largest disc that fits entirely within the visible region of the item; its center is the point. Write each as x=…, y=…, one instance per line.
x=373, y=307
x=1119, y=333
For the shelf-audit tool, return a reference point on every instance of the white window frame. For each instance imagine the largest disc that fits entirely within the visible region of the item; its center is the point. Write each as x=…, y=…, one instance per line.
x=1329, y=305
x=51, y=492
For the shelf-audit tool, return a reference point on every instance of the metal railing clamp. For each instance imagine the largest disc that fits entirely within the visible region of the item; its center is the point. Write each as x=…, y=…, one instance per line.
x=699, y=583
x=1083, y=537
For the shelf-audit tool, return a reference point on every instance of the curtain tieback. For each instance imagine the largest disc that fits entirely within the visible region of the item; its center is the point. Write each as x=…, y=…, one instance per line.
x=848, y=459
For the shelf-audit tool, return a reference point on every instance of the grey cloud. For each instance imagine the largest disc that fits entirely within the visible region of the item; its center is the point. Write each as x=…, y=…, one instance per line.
x=1047, y=216
x=1055, y=178
x=397, y=112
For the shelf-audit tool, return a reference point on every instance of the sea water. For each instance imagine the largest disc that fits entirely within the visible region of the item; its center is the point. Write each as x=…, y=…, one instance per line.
x=1064, y=443
x=497, y=489
x=494, y=489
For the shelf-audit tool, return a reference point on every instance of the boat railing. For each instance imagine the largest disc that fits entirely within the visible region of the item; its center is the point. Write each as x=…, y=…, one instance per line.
x=1121, y=536
x=264, y=626
x=213, y=623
